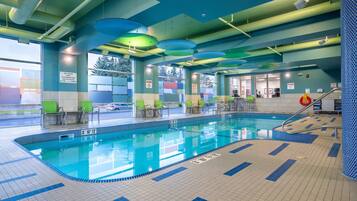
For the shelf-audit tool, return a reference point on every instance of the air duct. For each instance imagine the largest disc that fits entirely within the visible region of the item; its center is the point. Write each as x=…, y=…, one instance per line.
x=9, y=31
x=25, y=10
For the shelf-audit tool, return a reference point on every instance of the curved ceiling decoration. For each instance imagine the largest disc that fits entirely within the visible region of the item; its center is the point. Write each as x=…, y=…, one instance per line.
x=186, y=52
x=137, y=40
x=113, y=26
x=176, y=44
x=232, y=63
x=208, y=55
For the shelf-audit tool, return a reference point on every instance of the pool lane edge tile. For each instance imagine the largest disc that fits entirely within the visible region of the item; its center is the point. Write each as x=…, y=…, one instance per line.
x=169, y=174
x=237, y=169
x=17, y=178
x=122, y=198
x=16, y=160
x=241, y=148
x=34, y=192
x=334, y=150
x=309, y=126
x=199, y=199
x=274, y=176
x=279, y=149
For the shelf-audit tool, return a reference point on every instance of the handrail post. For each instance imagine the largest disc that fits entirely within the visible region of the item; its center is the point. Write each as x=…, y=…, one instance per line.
x=308, y=106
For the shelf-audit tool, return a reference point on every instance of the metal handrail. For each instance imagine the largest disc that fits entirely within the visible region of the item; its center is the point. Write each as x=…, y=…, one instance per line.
x=308, y=106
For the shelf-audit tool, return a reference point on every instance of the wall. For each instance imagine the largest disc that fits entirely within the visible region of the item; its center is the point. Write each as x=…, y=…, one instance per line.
x=142, y=74
x=68, y=95
x=191, y=79
x=317, y=79
x=288, y=102
x=223, y=88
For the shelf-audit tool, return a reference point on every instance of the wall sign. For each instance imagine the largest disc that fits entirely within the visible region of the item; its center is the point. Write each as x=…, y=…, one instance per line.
x=333, y=85
x=68, y=77
x=194, y=88
x=148, y=84
x=290, y=86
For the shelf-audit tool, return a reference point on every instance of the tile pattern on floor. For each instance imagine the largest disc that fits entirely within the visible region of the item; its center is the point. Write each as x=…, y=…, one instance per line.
x=314, y=175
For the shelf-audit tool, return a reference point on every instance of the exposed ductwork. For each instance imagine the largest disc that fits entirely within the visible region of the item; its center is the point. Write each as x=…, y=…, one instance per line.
x=33, y=36
x=25, y=10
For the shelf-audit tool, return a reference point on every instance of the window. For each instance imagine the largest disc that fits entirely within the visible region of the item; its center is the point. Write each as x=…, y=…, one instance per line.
x=171, y=84
x=241, y=86
x=267, y=85
x=20, y=83
x=110, y=81
x=207, y=87
x=20, y=72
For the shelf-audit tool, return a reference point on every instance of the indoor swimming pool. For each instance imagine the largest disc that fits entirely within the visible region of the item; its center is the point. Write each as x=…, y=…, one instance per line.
x=127, y=154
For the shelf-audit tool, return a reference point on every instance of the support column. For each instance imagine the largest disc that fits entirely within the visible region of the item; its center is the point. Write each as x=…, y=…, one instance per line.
x=68, y=93
x=222, y=85
x=146, y=83
x=192, y=86
x=349, y=89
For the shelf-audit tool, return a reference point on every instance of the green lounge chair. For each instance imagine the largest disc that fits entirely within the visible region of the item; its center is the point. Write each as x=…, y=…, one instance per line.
x=189, y=106
x=50, y=108
x=201, y=104
x=230, y=101
x=250, y=101
x=159, y=106
x=86, y=107
x=140, y=108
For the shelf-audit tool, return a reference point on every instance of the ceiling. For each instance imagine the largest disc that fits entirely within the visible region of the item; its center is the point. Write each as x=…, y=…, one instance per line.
x=199, y=21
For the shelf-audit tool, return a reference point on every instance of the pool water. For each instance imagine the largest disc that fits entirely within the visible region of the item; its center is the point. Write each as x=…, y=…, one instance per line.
x=130, y=153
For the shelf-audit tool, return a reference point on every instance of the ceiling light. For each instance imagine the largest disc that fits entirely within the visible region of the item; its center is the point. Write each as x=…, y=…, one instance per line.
x=323, y=41
x=148, y=70
x=67, y=59
x=105, y=52
x=299, y=4
x=131, y=51
x=287, y=75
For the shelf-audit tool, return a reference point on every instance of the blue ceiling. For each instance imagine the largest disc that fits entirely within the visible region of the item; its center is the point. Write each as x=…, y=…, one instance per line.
x=201, y=10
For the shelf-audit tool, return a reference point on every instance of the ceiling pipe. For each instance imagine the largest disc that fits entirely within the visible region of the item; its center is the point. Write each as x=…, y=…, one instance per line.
x=19, y=33
x=10, y=3
x=281, y=49
x=272, y=21
x=234, y=27
x=24, y=11
x=261, y=24
x=37, y=16
x=67, y=17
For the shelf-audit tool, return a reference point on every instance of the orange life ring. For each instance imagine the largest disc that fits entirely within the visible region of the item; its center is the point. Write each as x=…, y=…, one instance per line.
x=305, y=100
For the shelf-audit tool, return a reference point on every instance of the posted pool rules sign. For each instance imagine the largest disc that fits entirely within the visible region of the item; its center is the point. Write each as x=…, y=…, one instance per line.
x=68, y=77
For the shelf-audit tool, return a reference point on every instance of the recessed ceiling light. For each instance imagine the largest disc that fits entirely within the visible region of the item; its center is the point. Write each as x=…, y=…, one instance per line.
x=299, y=4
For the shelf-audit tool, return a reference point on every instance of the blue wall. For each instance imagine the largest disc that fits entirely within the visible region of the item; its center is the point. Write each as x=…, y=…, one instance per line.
x=49, y=67
x=317, y=79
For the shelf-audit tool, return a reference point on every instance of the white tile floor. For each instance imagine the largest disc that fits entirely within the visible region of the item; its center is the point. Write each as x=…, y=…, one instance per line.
x=314, y=176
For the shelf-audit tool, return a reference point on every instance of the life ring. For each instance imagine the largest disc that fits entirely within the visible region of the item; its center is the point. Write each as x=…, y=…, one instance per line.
x=305, y=100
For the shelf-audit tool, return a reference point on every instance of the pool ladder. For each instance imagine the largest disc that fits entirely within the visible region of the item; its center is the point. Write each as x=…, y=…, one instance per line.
x=173, y=124
x=307, y=107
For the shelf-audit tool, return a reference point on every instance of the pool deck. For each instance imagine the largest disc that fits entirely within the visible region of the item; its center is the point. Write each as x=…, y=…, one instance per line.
x=257, y=170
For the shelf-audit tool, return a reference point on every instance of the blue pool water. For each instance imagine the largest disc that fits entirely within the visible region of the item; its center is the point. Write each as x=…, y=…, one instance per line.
x=129, y=153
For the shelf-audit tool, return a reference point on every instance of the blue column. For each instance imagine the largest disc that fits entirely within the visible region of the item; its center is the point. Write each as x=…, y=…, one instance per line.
x=349, y=87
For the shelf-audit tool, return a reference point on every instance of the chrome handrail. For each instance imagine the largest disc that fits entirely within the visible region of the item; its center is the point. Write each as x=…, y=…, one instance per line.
x=308, y=106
